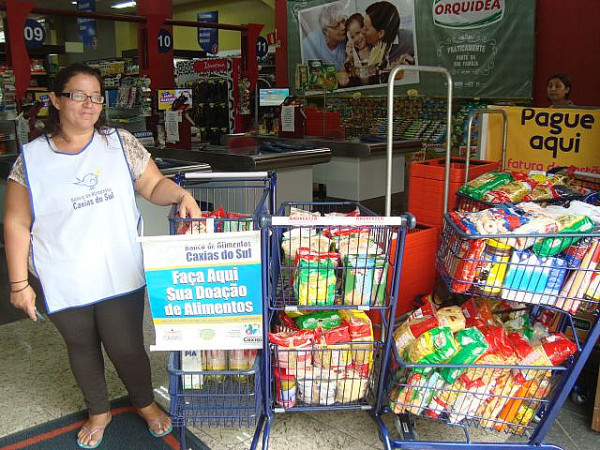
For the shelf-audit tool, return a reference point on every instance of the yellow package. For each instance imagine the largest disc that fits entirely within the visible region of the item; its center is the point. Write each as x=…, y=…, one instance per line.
x=451, y=317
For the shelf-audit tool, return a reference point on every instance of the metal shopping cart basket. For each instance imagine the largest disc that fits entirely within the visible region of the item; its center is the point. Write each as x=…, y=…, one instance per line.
x=336, y=261
x=219, y=388
x=503, y=397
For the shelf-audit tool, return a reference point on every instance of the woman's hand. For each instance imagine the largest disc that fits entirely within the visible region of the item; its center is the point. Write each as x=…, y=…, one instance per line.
x=188, y=207
x=24, y=300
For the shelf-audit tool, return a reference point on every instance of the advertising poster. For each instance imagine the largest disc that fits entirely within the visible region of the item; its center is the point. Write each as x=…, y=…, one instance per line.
x=87, y=27
x=487, y=45
x=544, y=138
x=208, y=38
x=205, y=291
x=174, y=99
x=349, y=44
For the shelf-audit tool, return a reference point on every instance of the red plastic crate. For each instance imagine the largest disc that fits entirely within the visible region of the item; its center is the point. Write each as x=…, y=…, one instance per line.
x=426, y=186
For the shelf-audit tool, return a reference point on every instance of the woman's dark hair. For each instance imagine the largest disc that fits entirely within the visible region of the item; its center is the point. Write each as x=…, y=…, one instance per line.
x=52, y=127
x=356, y=16
x=384, y=16
x=564, y=78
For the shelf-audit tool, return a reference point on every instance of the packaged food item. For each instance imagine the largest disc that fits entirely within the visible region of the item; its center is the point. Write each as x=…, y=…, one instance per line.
x=237, y=222
x=315, y=279
x=360, y=329
x=553, y=350
x=432, y=347
x=468, y=265
x=574, y=254
x=315, y=70
x=216, y=361
x=451, y=317
x=414, y=393
x=305, y=385
x=472, y=346
x=520, y=344
x=497, y=340
x=241, y=360
x=356, y=245
x=412, y=329
x=303, y=214
x=321, y=319
x=494, y=264
x=578, y=281
x=351, y=388
x=330, y=77
x=510, y=192
x=365, y=282
x=477, y=187
x=192, y=361
x=567, y=224
x=285, y=388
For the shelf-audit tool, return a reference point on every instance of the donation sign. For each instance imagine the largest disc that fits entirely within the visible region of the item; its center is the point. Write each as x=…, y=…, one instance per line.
x=205, y=290
x=544, y=138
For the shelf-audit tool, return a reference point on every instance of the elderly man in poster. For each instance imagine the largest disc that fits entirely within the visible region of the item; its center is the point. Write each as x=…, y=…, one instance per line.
x=328, y=42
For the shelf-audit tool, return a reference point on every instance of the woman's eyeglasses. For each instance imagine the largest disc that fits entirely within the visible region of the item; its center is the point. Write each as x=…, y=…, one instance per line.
x=81, y=97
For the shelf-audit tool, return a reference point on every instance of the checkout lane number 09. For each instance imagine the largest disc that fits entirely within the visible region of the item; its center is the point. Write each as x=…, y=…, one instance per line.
x=34, y=33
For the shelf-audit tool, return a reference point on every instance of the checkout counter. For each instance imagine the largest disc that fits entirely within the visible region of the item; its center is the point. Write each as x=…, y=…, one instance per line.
x=294, y=166
x=357, y=170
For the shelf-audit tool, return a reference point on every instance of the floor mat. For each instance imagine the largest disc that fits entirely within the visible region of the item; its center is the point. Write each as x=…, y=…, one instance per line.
x=126, y=431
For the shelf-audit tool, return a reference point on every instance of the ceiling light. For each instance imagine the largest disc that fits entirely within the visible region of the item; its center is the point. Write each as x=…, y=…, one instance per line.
x=74, y=2
x=122, y=5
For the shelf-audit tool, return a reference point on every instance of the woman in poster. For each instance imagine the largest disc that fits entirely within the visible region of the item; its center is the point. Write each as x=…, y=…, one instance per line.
x=382, y=30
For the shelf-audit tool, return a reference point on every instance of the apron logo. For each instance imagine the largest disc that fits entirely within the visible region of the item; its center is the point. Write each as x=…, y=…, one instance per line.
x=90, y=180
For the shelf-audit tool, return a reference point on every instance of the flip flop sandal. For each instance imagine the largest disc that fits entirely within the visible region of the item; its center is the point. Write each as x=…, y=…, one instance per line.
x=89, y=433
x=159, y=422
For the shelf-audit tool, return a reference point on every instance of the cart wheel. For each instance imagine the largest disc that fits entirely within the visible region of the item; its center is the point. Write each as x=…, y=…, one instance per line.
x=406, y=427
x=580, y=396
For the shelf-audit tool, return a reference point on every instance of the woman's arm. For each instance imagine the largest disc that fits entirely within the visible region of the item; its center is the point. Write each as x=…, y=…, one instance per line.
x=154, y=187
x=17, y=224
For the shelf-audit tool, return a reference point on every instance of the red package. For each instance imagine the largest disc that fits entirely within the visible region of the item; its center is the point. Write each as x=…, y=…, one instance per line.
x=520, y=344
x=426, y=309
x=217, y=213
x=519, y=176
x=497, y=339
x=558, y=348
x=294, y=339
x=411, y=330
x=363, y=370
x=308, y=254
x=359, y=330
x=287, y=321
x=337, y=335
x=468, y=266
x=233, y=215
x=474, y=316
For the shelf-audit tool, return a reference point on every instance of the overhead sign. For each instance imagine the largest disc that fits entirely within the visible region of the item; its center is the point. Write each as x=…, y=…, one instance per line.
x=34, y=33
x=205, y=290
x=87, y=27
x=544, y=138
x=208, y=38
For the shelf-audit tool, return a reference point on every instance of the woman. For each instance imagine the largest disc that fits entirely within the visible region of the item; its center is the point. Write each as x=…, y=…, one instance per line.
x=70, y=212
x=558, y=90
x=382, y=30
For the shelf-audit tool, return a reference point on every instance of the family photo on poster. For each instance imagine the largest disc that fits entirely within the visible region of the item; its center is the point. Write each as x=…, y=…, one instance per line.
x=363, y=39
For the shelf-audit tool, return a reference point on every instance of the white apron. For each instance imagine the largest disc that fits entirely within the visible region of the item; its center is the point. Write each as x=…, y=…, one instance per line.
x=84, y=222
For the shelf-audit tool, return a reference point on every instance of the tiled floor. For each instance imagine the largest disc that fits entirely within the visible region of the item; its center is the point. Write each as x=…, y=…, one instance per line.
x=37, y=386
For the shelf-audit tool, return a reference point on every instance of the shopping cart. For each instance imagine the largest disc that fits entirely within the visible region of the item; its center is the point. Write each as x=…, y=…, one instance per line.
x=218, y=392
x=333, y=259
x=502, y=397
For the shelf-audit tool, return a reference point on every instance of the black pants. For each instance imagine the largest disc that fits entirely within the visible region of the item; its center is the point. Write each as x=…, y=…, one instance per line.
x=116, y=324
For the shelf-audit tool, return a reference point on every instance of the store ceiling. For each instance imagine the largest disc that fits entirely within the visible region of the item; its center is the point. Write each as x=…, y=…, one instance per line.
x=101, y=5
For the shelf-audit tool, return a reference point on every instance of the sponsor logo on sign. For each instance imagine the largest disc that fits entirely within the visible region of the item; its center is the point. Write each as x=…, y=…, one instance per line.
x=467, y=14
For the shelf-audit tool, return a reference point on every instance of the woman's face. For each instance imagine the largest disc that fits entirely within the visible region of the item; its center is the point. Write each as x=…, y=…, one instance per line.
x=356, y=36
x=372, y=35
x=74, y=115
x=556, y=90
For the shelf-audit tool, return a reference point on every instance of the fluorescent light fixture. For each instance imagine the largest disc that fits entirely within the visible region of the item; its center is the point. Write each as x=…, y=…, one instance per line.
x=122, y=5
x=74, y=2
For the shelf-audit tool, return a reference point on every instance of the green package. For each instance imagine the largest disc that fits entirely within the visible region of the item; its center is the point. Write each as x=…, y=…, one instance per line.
x=554, y=245
x=432, y=347
x=315, y=282
x=477, y=187
x=473, y=345
x=321, y=319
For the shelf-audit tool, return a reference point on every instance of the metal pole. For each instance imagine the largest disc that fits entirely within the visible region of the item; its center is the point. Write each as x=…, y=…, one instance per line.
x=390, y=138
x=481, y=112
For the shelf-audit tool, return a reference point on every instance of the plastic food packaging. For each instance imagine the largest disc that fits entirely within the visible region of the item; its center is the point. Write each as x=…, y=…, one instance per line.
x=451, y=317
x=315, y=280
x=567, y=224
x=412, y=329
x=321, y=319
x=510, y=192
x=432, y=347
x=285, y=388
x=477, y=187
x=495, y=258
x=473, y=345
x=351, y=388
x=365, y=282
